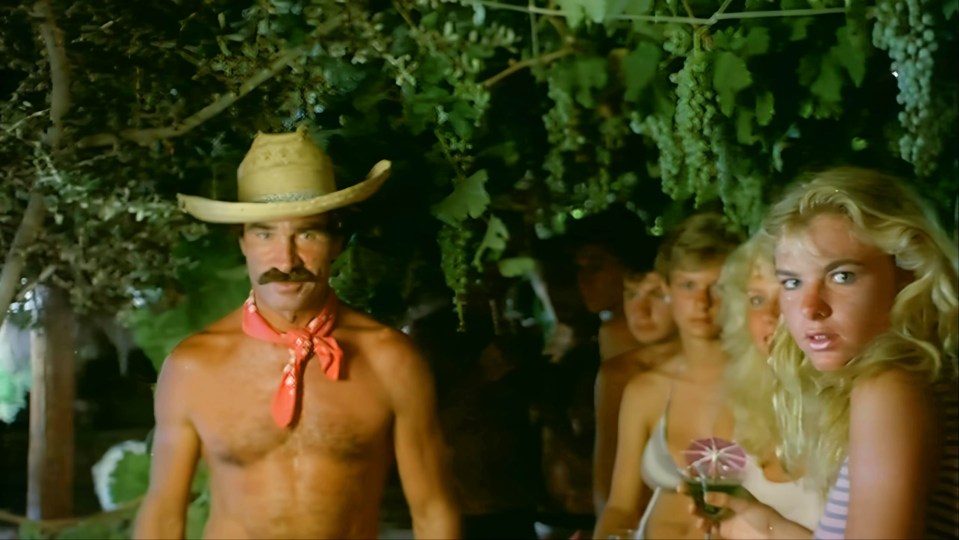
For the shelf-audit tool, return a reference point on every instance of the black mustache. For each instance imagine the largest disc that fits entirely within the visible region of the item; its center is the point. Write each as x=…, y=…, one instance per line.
x=296, y=275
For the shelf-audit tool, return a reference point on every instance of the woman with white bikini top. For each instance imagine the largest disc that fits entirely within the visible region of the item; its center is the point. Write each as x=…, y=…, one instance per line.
x=690, y=260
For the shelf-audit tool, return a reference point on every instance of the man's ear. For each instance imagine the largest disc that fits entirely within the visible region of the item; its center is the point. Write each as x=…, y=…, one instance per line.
x=241, y=239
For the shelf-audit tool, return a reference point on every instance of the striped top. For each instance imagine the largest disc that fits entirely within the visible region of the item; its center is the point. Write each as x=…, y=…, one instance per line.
x=942, y=513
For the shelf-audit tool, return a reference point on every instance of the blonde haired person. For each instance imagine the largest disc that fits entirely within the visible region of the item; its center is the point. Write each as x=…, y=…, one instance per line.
x=749, y=313
x=865, y=361
x=665, y=408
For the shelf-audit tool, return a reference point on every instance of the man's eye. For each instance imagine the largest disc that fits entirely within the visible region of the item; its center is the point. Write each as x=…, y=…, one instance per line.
x=262, y=235
x=789, y=283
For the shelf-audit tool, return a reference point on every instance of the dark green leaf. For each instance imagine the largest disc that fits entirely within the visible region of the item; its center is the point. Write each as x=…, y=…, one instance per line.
x=494, y=241
x=516, y=266
x=756, y=42
x=730, y=75
x=744, y=127
x=850, y=55
x=949, y=8
x=469, y=199
x=765, y=108
x=639, y=68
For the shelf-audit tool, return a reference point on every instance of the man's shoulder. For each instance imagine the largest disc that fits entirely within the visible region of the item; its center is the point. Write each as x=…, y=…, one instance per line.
x=385, y=348
x=369, y=332
x=624, y=362
x=215, y=338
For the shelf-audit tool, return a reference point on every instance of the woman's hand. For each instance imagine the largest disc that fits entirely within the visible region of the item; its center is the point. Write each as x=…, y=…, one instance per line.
x=748, y=518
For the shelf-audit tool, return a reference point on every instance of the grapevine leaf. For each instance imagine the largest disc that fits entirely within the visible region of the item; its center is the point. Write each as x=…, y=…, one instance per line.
x=595, y=9
x=130, y=478
x=469, y=198
x=828, y=85
x=730, y=75
x=575, y=10
x=744, y=127
x=494, y=241
x=765, y=108
x=516, y=266
x=756, y=42
x=639, y=68
x=800, y=28
x=196, y=516
x=949, y=8
x=638, y=7
x=589, y=74
x=850, y=56
x=615, y=7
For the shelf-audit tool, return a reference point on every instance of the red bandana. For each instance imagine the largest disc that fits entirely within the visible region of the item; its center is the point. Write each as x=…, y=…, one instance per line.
x=316, y=339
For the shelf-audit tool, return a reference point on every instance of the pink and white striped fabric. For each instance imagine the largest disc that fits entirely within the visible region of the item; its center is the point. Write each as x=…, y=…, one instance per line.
x=942, y=511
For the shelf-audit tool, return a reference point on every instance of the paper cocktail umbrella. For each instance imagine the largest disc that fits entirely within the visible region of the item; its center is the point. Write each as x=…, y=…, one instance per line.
x=716, y=458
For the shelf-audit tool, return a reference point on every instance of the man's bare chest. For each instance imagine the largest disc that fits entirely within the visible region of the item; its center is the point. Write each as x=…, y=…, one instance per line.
x=343, y=420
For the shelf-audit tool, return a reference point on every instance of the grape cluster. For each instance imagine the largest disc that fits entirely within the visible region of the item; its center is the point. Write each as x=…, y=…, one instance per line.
x=695, y=125
x=906, y=30
x=660, y=129
x=679, y=40
x=454, y=242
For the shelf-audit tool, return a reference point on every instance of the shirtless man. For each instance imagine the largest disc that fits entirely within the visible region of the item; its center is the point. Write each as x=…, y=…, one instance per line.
x=603, y=244
x=650, y=322
x=311, y=459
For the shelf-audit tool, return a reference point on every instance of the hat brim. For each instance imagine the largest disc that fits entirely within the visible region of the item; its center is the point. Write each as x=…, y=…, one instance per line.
x=214, y=211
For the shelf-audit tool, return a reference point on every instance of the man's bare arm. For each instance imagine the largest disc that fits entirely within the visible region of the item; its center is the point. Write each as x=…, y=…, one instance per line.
x=608, y=395
x=174, y=456
x=420, y=450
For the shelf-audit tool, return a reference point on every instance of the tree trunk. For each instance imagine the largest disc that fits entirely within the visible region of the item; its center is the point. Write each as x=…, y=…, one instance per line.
x=50, y=462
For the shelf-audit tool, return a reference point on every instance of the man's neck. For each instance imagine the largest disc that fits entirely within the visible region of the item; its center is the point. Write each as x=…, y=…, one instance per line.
x=286, y=320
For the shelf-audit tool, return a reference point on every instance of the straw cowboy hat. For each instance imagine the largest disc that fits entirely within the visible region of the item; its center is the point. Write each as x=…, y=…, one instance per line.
x=284, y=176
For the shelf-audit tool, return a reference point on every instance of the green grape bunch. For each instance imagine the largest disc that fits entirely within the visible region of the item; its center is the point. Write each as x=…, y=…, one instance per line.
x=679, y=40
x=659, y=129
x=695, y=122
x=454, y=245
x=905, y=28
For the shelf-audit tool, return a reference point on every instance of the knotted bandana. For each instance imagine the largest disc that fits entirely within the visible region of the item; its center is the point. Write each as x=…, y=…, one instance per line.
x=315, y=339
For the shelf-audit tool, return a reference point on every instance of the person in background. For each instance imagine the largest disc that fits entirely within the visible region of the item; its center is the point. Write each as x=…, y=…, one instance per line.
x=651, y=323
x=749, y=314
x=601, y=247
x=865, y=362
x=603, y=244
x=665, y=408
x=484, y=393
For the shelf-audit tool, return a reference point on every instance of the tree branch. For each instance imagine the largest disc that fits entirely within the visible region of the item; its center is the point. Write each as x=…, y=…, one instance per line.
x=32, y=221
x=146, y=137
x=27, y=232
x=59, y=72
x=529, y=62
x=54, y=525
x=678, y=20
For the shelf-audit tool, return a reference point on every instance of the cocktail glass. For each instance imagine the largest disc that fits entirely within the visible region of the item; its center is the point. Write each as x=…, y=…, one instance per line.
x=713, y=464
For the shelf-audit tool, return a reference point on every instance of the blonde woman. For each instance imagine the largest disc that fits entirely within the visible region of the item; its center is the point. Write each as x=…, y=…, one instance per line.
x=680, y=400
x=749, y=314
x=865, y=361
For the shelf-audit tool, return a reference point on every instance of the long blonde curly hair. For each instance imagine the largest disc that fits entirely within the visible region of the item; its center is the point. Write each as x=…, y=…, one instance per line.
x=748, y=381
x=812, y=407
